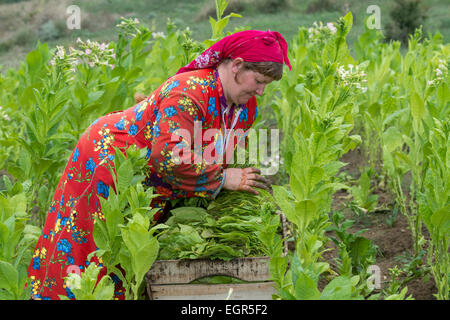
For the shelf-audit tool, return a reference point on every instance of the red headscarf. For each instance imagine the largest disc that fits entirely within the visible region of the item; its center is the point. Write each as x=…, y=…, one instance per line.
x=250, y=45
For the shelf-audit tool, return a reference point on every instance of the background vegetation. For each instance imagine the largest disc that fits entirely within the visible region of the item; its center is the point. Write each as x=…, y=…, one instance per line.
x=22, y=23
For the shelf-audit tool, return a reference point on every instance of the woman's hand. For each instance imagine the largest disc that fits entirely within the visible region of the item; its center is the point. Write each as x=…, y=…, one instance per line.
x=244, y=179
x=138, y=97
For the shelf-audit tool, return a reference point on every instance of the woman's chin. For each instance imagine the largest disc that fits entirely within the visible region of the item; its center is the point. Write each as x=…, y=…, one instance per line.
x=244, y=99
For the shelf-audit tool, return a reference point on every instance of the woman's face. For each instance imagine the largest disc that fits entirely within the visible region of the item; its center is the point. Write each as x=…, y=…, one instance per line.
x=248, y=83
x=244, y=83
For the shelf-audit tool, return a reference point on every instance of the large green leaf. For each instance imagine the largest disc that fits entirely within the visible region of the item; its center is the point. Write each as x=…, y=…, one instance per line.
x=339, y=288
x=124, y=175
x=441, y=220
x=285, y=202
x=305, y=288
x=418, y=110
x=306, y=211
x=392, y=139
x=9, y=277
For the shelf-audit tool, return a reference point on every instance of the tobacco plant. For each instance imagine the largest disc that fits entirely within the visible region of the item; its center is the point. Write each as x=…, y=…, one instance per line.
x=124, y=235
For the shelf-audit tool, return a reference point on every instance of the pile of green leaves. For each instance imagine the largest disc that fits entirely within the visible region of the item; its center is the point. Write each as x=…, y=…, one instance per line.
x=224, y=228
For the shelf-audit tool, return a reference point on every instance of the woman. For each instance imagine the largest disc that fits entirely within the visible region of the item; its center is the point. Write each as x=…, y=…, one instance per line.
x=218, y=89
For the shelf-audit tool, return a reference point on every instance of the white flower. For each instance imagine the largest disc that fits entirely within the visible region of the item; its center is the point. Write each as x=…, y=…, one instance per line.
x=364, y=89
x=438, y=72
x=88, y=51
x=60, y=52
x=158, y=35
x=331, y=26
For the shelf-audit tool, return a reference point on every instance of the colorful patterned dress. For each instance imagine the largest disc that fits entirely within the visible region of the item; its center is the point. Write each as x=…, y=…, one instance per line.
x=188, y=101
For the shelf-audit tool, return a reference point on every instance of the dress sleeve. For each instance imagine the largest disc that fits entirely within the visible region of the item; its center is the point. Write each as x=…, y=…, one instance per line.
x=175, y=156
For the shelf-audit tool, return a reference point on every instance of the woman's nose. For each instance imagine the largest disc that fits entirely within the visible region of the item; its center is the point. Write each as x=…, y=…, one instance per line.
x=260, y=90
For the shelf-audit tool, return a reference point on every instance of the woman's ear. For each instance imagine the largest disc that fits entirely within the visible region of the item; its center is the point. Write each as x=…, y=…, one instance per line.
x=237, y=64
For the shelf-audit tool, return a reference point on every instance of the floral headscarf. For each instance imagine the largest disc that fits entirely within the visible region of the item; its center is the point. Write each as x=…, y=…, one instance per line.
x=250, y=45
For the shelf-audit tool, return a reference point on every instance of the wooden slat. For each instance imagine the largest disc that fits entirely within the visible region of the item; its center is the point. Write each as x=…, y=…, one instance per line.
x=245, y=291
x=185, y=271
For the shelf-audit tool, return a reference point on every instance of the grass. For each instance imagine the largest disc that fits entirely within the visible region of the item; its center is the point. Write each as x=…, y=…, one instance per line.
x=23, y=23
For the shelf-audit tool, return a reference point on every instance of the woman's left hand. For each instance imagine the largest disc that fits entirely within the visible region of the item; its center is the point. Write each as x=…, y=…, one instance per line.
x=245, y=180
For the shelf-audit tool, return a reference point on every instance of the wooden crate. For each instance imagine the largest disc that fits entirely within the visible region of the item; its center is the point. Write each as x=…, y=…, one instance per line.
x=170, y=279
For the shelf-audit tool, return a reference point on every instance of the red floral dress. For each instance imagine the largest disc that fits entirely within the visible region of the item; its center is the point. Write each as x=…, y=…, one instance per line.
x=183, y=163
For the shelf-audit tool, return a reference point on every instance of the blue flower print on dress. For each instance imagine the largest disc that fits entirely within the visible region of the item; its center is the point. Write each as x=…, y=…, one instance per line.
x=64, y=246
x=133, y=129
x=201, y=181
x=120, y=125
x=69, y=293
x=90, y=165
x=165, y=91
x=139, y=111
x=36, y=263
x=212, y=106
x=158, y=117
x=75, y=156
x=103, y=189
x=156, y=128
x=170, y=111
x=244, y=114
x=172, y=85
x=63, y=221
x=70, y=260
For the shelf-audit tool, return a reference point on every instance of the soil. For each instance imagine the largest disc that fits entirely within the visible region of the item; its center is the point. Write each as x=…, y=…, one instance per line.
x=394, y=244
x=394, y=241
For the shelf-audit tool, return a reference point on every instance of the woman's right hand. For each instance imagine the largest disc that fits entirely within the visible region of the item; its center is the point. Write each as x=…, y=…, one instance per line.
x=245, y=179
x=138, y=97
